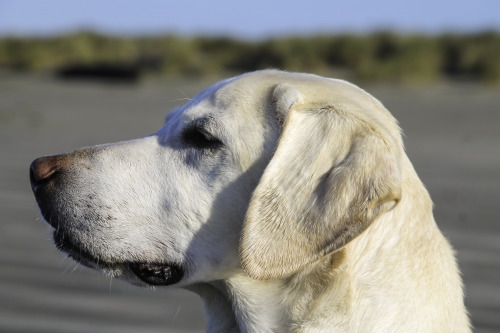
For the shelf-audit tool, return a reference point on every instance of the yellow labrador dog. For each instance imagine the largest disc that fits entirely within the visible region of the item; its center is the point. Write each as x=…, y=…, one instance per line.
x=285, y=200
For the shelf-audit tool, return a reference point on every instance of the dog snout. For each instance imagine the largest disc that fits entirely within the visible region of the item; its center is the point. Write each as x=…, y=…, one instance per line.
x=44, y=168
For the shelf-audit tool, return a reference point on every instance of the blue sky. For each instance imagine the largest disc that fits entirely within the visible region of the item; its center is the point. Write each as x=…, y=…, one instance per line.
x=248, y=19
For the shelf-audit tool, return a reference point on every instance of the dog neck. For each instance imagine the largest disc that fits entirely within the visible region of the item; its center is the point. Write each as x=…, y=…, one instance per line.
x=242, y=304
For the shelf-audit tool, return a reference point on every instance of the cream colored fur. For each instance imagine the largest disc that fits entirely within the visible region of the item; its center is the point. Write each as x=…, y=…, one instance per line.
x=308, y=218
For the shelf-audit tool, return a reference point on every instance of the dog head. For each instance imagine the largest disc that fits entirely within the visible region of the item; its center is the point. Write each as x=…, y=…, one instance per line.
x=268, y=171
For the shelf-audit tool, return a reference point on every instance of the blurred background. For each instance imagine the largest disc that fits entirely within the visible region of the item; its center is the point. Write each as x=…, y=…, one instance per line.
x=80, y=73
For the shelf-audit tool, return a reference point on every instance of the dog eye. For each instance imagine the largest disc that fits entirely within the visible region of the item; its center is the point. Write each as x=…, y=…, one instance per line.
x=199, y=138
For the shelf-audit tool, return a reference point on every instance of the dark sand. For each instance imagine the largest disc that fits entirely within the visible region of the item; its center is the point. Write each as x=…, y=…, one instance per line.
x=452, y=137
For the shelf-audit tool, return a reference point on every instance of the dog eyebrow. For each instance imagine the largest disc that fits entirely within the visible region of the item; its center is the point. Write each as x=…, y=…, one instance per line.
x=207, y=123
x=202, y=133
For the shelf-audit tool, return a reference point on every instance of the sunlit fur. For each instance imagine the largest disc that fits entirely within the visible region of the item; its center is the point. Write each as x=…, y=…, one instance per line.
x=308, y=218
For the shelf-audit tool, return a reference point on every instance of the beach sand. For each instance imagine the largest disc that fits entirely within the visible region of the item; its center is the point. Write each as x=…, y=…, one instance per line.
x=451, y=136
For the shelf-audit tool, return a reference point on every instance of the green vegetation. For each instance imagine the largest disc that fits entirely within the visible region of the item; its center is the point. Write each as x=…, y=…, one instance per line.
x=377, y=56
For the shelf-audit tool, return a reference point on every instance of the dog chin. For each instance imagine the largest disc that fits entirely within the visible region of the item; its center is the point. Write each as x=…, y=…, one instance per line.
x=134, y=272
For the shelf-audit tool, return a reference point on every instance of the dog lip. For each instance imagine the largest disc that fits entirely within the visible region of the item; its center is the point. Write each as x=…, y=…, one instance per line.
x=65, y=245
x=157, y=274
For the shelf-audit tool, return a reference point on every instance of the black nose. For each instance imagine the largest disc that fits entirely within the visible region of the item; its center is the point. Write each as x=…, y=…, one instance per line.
x=44, y=168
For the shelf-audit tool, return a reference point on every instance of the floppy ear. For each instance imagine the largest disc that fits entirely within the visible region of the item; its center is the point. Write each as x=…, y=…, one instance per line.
x=332, y=174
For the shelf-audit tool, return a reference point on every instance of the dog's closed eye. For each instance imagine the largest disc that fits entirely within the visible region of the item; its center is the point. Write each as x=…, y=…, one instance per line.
x=200, y=138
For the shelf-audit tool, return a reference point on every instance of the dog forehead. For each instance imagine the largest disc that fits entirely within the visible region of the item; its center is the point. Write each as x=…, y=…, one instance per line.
x=240, y=99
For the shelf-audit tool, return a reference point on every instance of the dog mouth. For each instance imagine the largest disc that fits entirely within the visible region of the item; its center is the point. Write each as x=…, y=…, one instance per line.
x=151, y=273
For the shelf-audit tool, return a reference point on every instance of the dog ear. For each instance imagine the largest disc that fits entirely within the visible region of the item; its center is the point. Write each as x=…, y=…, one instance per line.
x=331, y=175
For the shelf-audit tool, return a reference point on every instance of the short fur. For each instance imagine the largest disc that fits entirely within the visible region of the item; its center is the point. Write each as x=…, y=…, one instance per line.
x=295, y=210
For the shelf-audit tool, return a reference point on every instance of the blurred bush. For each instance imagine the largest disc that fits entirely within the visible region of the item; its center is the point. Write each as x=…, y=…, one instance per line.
x=377, y=56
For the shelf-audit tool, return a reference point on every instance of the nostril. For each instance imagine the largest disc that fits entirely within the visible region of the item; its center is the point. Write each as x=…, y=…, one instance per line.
x=43, y=168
